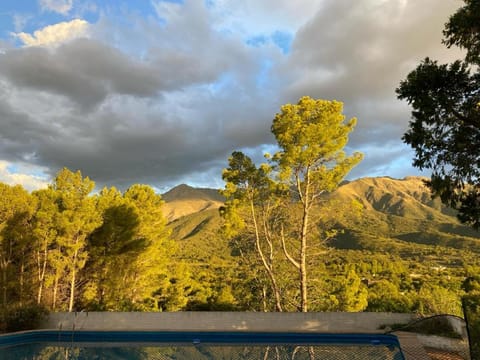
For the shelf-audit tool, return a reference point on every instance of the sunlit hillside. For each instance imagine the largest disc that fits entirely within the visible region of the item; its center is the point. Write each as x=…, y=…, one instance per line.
x=185, y=200
x=397, y=214
x=397, y=208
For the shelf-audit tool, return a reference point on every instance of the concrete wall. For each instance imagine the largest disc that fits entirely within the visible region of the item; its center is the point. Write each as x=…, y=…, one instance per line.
x=332, y=322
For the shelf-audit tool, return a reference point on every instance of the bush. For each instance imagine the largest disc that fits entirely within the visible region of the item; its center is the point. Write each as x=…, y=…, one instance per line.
x=438, y=325
x=471, y=308
x=20, y=318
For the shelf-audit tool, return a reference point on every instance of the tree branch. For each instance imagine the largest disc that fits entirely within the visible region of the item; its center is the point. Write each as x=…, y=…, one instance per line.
x=285, y=251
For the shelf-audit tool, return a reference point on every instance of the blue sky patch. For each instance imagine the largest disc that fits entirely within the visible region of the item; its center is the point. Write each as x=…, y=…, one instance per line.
x=283, y=40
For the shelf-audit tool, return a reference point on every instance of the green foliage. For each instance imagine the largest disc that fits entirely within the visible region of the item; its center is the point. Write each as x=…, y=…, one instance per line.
x=352, y=293
x=434, y=299
x=384, y=296
x=16, y=209
x=68, y=249
x=376, y=259
x=471, y=307
x=76, y=218
x=19, y=318
x=130, y=250
x=438, y=325
x=462, y=30
x=312, y=135
x=445, y=131
x=269, y=209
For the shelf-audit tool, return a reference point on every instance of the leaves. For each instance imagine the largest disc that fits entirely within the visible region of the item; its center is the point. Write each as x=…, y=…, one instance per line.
x=271, y=205
x=463, y=31
x=445, y=127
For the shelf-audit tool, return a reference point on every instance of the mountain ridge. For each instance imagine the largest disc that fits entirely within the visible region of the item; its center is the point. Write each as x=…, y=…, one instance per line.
x=183, y=200
x=401, y=210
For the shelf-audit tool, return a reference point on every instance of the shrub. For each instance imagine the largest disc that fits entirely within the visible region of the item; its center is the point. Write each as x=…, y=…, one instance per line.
x=20, y=318
x=471, y=308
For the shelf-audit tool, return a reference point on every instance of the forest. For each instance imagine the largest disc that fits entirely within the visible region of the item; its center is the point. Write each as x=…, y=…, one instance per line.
x=68, y=248
x=289, y=236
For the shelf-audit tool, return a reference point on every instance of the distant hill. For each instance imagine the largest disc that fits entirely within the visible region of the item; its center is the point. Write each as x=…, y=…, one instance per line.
x=402, y=210
x=397, y=212
x=184, y=200
x=402, y=238
x=408, y=197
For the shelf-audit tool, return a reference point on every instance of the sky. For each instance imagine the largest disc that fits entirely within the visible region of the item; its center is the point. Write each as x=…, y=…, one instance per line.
x=161, y=92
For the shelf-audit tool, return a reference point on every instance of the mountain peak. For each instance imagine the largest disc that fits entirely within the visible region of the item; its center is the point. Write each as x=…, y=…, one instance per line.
x=185, y=199
x=186, y=192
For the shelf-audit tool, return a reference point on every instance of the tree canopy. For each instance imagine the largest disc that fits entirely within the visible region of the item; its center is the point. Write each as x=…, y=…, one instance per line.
x=445, y=127
x=279, y=198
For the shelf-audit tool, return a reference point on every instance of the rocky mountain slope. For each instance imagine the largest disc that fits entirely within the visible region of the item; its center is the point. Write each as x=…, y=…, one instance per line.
x=398, y=210
x=184, y=200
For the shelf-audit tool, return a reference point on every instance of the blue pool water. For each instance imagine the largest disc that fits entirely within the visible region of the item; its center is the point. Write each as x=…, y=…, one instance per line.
x=138, y=345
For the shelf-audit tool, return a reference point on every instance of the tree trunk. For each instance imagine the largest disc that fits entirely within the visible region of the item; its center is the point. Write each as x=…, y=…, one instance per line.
x=303, y=264
x=22, y=280
x=41, y=277
x=303, y=245
x=266, y=265
x=55, y=290
x=4, y=284
x=42, y=269
x=72, y=281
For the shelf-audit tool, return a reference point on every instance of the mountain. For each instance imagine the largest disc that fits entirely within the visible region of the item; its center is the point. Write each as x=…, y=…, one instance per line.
x=396, y=213
x=408, y=197
x=402, y=211
x=184, y=200
x=405, y=246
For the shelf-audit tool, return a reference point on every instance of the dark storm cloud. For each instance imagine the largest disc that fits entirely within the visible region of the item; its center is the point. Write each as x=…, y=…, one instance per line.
x=84, y=70
x=40, y=69
x=178, y=108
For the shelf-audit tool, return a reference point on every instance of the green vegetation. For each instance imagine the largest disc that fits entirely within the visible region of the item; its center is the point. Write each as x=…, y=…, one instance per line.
x=445, y=131
x=63, y=248
x=287, y=238
x=19, y=318
x=396, y=273
x=133, y=260
x=274, y=206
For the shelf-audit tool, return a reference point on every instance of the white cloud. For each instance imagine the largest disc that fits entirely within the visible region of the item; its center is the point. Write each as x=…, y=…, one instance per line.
x=29, y=181
x=267, y=16
x=60, y=6
x=167, y=101
x=166, y=10
x=55, y=34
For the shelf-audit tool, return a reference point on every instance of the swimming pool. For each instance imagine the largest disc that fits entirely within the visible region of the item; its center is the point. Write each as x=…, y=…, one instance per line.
x=140, y=345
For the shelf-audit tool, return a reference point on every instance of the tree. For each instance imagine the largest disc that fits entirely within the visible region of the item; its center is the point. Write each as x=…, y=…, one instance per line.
x=352, y=293
x=463, y=31
x=445, y=127
x=129, y=250
x=113, y=249
x=311, y=162
x=44, y=236
x=151, y=265
x=77, y=218
x=249, y=186
x=16, y=209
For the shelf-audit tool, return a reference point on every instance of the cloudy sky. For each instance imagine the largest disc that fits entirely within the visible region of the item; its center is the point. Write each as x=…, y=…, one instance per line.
x=161, y=92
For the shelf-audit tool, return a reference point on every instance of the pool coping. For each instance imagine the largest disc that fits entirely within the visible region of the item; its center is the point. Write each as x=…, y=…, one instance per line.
x=312, y=322
x=323, y=322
